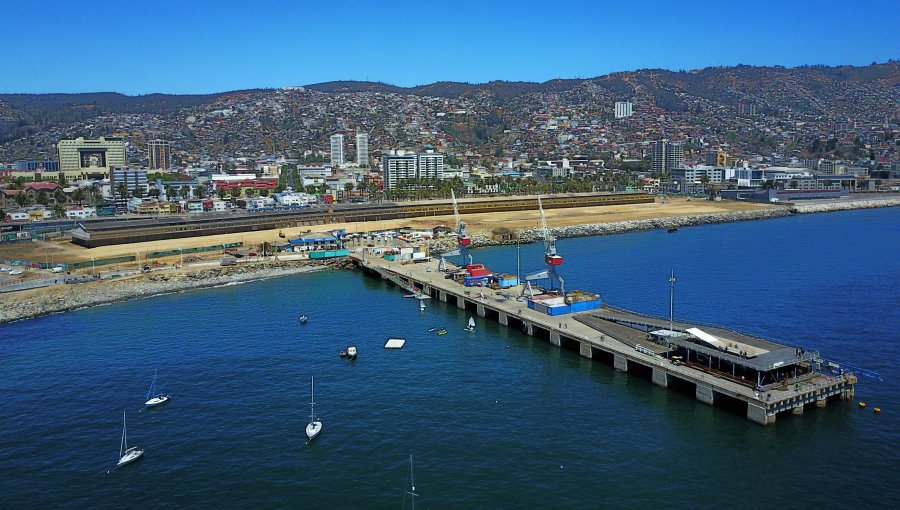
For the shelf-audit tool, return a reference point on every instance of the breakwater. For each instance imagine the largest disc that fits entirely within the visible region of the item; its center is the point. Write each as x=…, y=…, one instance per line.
x=71, y=297
x=844, y=206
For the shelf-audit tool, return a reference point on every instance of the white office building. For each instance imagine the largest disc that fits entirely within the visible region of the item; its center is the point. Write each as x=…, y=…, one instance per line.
x=337, y=150
x=623, y=109
x=362, y=149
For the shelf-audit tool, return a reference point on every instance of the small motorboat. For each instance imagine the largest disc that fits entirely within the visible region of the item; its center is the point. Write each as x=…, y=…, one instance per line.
x=351, y=352
x=303, y=319
x=343, y=353
x=672, y=229
x=432, y=329
x=442, y=331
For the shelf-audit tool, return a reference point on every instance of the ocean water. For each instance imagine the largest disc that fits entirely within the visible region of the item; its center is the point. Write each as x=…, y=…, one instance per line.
x=493, y=419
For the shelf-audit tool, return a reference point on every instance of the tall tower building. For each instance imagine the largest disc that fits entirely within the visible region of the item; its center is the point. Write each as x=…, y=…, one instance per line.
x=398, y=165
x=337, y=150
x=430, y=166
x=666, y=156
x=160, y=155
x=362, y=149
x=623, y=109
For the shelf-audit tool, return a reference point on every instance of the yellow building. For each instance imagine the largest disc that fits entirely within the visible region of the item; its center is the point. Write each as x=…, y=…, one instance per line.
x=83, y=159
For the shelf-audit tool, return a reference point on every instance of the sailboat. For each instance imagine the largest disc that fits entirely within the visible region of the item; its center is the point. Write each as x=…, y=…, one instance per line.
x=154, y=398
x=412, y=486
x=127, y=455
x=315, y=426
x=471, y=325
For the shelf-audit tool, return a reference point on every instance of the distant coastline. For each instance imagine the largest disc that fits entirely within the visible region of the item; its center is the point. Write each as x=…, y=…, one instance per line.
x=50, y=300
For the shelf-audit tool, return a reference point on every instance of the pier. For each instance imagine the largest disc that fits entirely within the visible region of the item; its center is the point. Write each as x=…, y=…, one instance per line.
x=715, y=363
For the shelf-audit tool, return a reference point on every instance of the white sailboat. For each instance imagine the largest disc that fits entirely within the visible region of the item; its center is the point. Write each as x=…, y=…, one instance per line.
x=127, y=455
x=315, y=426
x=154, y=398
x=412, y=486
x=471, y=325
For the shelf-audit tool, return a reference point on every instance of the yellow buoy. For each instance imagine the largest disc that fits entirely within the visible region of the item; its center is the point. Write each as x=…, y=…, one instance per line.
x=862, y=405
x=877, y=410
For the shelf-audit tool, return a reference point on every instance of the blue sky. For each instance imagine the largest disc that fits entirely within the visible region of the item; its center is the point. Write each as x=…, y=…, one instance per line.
x=205, y=46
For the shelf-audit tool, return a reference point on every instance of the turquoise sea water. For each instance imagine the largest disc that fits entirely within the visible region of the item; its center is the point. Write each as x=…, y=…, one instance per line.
x=494, y=419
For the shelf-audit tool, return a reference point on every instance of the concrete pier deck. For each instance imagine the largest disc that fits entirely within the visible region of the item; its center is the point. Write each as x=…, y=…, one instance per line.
x=623, y=336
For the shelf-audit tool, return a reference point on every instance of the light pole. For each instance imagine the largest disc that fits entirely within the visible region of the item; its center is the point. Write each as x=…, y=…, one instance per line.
x=671, y=301
x=93, y=268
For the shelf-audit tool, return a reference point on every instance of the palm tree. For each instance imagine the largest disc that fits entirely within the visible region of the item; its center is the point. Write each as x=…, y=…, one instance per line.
x=59, y=211
x=22, y=199
x=221, y=192
x=266, y=248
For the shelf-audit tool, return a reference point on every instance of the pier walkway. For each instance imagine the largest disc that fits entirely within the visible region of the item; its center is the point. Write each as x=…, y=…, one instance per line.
x=767, y=377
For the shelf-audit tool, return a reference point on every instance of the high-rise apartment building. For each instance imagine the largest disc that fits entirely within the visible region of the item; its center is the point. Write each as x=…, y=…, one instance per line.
x=123, y=182
x=362, y=149
x=337, y=150
x=665, y=156
x=430, y=165
x=623, y=109
x=398, y=165
x=81, y=159
x=159, y=154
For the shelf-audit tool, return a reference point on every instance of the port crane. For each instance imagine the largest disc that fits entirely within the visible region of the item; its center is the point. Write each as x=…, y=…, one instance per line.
x=551, y=258
x=464, y=241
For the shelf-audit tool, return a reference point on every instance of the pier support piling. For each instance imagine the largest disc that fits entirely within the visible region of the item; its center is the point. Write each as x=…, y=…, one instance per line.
x=585, y=350
x=660, y=378
x=759, y=415
x=706, y=394
x=620, y=363
x=503, y=319
x=821, y=402
x=442, y=295
x=797, y=410
x=554, y=338
x=481, y=310
x=461, y=303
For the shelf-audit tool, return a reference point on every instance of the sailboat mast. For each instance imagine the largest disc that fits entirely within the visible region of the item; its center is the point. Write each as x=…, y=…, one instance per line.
x=312, y=400
x=124, y=442
x=412, y=484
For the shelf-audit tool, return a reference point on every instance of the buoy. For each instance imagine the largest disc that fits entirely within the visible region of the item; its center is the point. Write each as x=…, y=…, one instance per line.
x=877, y=410
x=862, y=405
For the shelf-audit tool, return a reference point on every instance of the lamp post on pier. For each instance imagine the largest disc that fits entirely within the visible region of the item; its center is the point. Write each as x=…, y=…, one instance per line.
x=671, y=302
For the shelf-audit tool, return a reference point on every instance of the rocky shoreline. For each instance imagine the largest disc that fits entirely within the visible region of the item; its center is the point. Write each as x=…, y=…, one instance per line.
x=72, y=297
x=844, y=206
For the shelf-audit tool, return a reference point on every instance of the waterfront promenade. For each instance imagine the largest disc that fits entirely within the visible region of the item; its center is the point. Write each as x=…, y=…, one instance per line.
x=614, y=336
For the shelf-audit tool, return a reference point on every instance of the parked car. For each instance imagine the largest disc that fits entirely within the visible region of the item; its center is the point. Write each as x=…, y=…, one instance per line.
x=15, y=272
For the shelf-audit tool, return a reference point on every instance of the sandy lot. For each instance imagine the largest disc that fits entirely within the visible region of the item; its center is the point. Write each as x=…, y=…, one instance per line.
x=66, y=252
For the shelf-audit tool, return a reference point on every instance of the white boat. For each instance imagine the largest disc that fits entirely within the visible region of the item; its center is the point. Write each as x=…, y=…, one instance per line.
x=471, y=325
x=351, y=352
x=127, y=455
x=154, y=398
x=412, y=486
x=315, y=426
x=303, y=319
x=421, y=305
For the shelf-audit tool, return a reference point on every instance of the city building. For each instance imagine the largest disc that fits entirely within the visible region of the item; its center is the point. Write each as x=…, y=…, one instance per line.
x=337, y=150
x=430, y=165
x=623, y=109
x=90, y=159
x=159, y=154
x=123, y=182
x=398, y=165
x=47, y=165
x=362, y=149
x=666, y=156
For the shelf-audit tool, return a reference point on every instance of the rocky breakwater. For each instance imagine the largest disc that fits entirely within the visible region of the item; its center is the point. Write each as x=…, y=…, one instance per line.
x=619, y=227
x=25, y=305
x=845, y=205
